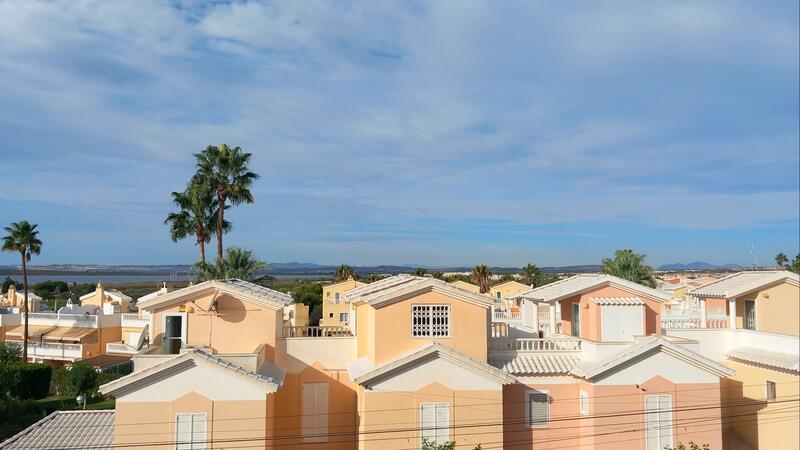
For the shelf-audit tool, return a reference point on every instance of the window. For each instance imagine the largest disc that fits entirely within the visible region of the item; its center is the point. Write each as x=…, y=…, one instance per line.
x=498, y=295
x=770, y=390
x=537, y=412
x=191, y=431
x=174, y=326
x=434, y=421
x=430, y=321
x=315, y=412
x=658, y=421
x=343, y=317
x=330, y=315
x=336, y=297
x=583, y=404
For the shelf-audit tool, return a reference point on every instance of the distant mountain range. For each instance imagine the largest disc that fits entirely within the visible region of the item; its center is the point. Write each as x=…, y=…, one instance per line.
x=698, y=265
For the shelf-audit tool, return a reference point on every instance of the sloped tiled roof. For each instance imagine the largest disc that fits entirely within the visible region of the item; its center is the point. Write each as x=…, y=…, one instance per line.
x=539, y=364
x=743, y=282
x=581, y=283
x=67, y=429
x=233, y=286
x=396, y=287
x=618, y=301
x=778, y=360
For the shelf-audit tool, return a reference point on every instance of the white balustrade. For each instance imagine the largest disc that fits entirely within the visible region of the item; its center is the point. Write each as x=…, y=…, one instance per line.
x=48, y=350
x=312, y=332
x=135, y=320
x=536, y=344
x=506, y=315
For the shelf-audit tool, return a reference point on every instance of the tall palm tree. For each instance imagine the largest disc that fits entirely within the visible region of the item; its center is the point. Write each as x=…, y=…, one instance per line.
x=345, y=272
x=781, y=260
x=237, y=263
x=196, y=215
x=482, y=275
x=225, y=171
x=531, y=275
x=629, y=265
x=23, y=238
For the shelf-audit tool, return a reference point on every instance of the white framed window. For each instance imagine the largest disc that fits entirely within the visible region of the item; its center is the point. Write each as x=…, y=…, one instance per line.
x=434, y=422
x=498, y=295
x=191, y=431
x=343, y=317
x=537, y=408
x=336, y=298
x=770, y=390
x=430, y=321
x=583, y=403
x=658, y=421
x=315, y=412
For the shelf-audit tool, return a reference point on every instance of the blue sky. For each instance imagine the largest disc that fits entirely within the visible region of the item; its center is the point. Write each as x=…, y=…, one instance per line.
x=440, y=133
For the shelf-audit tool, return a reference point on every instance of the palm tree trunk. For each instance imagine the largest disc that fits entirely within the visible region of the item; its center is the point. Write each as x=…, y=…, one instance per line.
x=25, y=308
x=220, y=221
x=202, y=244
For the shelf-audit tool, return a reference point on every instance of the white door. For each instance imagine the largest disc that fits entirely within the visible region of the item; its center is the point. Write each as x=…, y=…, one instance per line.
x=621, y=323
x=611, y=323
x=632, y=321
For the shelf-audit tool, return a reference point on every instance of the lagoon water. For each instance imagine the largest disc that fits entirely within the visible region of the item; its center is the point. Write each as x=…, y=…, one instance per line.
x=124, y=278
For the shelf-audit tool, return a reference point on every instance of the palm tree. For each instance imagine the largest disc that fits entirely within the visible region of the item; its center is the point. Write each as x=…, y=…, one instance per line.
x=225, y=171
x=629, y=265
x=196, y=215
x=781, y=260
x=482, y=275
x=237, y=263
x=531, y=275
x=23, y=238
x=344, y=272
x=796, y=263
x=419, y=272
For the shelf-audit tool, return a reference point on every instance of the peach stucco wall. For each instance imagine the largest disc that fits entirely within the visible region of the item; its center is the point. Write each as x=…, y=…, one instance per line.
x=475, y=415
x=777, y=309
x=235, y=327
x=762, y=424
x=590, y=312
x=392, y=325
x=329, y=305
x=610, y=423
x=154, y=422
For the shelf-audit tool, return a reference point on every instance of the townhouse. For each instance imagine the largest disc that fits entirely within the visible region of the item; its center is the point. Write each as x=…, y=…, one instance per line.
x=336, y=310
x=14, y=300
x=750, y=322
x=419, y=359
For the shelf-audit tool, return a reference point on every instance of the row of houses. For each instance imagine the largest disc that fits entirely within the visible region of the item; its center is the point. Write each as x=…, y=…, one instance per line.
x=585, y=362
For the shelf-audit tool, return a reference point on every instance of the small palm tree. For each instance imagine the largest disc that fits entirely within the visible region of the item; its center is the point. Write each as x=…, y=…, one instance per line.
x=23, y=238
x=629, y=265
x=531, y=275
x=419, y=272
x=237, y=263
x=796, y=264
x=225, y=171
x=344, y=272
x=196, y=215
x=482, y=275
x=781, y=260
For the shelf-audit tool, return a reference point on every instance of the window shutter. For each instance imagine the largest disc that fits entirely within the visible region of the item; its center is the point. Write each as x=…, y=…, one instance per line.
x=658, y=421
x=183, y=432
x=308, y=409
x=651, y=422
x=315, y=411
x=427, y=421
x=321, y=408
x=442, y=423
x=665, y=420
x=538, y=409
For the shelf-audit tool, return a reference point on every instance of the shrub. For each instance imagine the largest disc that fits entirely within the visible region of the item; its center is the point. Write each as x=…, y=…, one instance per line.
x=82, y=378
x=60, y=384
x=29, y=381
x=15, y=415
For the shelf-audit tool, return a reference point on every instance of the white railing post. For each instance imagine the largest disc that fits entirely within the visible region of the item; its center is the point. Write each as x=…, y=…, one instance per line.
x=732, y=313
x=703, y=313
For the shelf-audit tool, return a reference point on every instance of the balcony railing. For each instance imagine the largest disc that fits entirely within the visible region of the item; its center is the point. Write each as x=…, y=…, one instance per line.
x=505, y=315
x=311, y=332
x=56, y=319
x=120, y=348
x=684, y=323
x=135, y=320
x=47, y=350
x=536, y=344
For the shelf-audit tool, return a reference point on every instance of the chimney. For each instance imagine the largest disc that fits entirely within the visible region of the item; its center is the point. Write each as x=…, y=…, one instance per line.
x=11, y=295
x=100, y=292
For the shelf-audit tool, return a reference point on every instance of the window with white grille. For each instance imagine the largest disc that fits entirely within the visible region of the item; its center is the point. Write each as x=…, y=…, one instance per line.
x=191, y=431
x=434, y=421
x=336, y=297
x=658, y=421
x=430, y=321
x=537, y=408
x=343, y=317
x=584, y=403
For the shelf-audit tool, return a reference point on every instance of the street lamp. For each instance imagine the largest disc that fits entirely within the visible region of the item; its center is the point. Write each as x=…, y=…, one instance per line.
x=81, y=399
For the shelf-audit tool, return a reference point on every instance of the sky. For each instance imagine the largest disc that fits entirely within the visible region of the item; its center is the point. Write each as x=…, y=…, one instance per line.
x=452, y=132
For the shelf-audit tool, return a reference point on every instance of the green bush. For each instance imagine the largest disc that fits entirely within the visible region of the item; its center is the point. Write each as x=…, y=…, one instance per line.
x=82, y=378
x=16, y=415
x=29, y=381
x=60, y=385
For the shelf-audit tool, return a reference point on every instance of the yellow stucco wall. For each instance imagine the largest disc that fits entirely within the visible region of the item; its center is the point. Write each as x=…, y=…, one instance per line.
x=467, y=286
x=762, y=424
x=331, y=309
x=777, y=309
x=507, y=288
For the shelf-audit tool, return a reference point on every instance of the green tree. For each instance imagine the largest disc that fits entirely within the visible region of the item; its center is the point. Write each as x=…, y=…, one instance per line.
x=225, y=171
x=373, y=277
x=796, y=263
x=419, y=272
x=23, y=238
x=531, y=275
x=237, y=263
x=344, y=272
x=82, y=378
x=7, y=283
x=308, y=293
x=482, y=276
x=438, y=275
x=781, y=260
x=629, y=265
x=9, y=354
x=196, y=215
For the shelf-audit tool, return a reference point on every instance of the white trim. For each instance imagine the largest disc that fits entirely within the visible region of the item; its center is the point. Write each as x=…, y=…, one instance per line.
x=436, y=426
x=660, y=427
x=583, y=402
x=528, y=418
x=184, y=325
